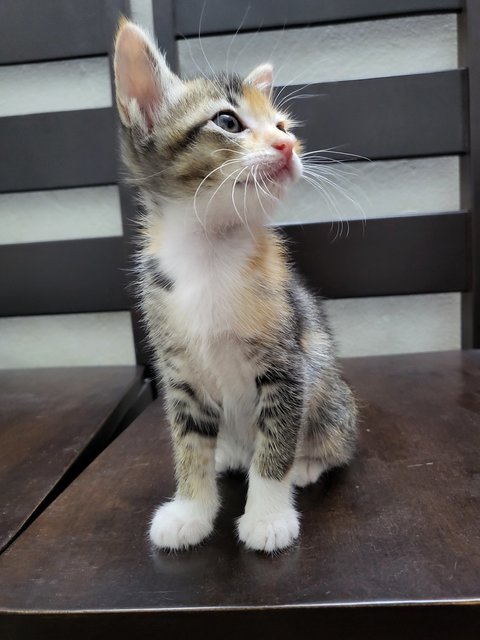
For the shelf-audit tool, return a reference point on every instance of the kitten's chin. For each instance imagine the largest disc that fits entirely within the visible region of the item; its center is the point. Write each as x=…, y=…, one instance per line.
x=286, y=175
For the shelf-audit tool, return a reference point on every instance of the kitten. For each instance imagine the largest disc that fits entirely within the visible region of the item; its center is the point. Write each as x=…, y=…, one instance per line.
x=242, y=350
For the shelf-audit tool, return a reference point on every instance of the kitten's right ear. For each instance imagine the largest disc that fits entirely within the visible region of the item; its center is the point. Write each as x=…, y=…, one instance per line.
x=143, y=81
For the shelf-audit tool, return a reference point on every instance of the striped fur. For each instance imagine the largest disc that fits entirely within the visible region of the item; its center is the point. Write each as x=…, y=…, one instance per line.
x=243, y=351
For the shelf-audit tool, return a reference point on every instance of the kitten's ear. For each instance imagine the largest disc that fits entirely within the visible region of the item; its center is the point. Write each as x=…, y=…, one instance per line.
x=143, y=81
x=262, y=78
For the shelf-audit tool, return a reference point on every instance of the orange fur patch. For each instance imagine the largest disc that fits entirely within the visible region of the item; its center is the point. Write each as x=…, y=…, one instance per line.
x=262, y=305
x=269, y=261
x=152, y=236
x=257, y=101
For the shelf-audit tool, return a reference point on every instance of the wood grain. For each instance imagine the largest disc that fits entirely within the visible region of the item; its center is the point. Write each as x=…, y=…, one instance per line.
x=49, y=418
x=389, y=547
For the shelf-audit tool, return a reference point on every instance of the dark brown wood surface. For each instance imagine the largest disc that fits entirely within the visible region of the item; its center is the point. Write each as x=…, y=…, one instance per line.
x=390, y=547
x=469, y=55
x=48, y=419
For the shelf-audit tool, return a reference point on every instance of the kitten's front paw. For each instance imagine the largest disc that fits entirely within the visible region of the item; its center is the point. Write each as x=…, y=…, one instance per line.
x=180, y=524
x=269, y=532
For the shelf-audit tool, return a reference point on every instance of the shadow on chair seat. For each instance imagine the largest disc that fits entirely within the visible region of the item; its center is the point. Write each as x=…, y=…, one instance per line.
x=52, y=423
x=392, y=539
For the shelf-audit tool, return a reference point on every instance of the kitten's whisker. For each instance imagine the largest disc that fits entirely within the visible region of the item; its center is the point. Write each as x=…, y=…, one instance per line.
x=333, y=150
x=200, y=186
x=328, y=199
x=269, y=193
x=219, y=187
x=193, y=59
x=343, y=169
x=341, y=190
x=278, y=40
x=322, y=161
x=245, y=193
x=341, y=178
x=260, y=176
x=248, y=39
x=235, y=35
x=144, y=178
x=313, y=156
x=230, y=150
x=244, y=220
x=274, y=184
x=257, y=186
x=200, y=39
x=278, y=105
x=290, y=83
x=301, y=96
x=255, y=183
x=344, y=179
x=314, y=182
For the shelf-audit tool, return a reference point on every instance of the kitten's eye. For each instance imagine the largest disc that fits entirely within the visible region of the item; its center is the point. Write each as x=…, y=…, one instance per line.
x=281, y=126
x=228, y=122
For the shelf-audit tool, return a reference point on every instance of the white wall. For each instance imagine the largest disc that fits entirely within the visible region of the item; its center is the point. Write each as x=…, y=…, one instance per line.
x=338, y=52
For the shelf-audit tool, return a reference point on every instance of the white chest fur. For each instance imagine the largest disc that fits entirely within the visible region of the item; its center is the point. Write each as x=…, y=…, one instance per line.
x=208, y=272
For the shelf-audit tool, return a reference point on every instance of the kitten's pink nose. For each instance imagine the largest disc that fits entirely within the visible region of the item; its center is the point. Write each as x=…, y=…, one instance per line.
x=285, y=147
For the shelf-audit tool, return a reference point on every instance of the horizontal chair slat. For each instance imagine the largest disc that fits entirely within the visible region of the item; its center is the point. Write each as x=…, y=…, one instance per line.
x=32, y=30
x=55, y=150
x=380, y=118
x=218, y=16
x=391, y=117
x=387, y=256
x=71, y=276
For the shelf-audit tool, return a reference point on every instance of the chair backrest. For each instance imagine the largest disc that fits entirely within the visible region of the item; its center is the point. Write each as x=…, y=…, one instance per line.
x=382, y=118
x=61, y=150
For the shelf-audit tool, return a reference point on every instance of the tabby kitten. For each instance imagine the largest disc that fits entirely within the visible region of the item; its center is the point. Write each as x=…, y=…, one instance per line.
x=242, y=350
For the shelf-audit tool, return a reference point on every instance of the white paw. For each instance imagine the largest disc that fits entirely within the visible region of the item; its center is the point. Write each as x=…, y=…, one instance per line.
x=180, y=524
x=269, y=532
x=306, y=471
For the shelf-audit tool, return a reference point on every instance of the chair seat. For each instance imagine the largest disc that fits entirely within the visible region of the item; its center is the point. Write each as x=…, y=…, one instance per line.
x=390, y=546
x=49, y=419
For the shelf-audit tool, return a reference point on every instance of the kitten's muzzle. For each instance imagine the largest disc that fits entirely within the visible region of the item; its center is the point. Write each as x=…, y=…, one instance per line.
x=285, y=147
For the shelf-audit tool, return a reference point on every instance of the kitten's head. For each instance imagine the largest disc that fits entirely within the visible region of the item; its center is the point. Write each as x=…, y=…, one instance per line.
x=218, y=146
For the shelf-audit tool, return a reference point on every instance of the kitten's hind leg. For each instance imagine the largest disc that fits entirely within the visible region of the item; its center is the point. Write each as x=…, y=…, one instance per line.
x=189, y=517
x=331, y=432
x=306, y=471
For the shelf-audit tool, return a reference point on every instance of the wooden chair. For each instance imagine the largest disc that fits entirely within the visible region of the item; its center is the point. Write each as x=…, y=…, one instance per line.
x=390, y=545
x=54, y=421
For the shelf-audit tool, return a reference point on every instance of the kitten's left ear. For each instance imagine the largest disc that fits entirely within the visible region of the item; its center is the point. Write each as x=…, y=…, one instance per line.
x=144, y=83
x=262, y=78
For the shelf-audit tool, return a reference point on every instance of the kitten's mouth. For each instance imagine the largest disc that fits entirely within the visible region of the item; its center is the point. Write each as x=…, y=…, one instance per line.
x=279, y=173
